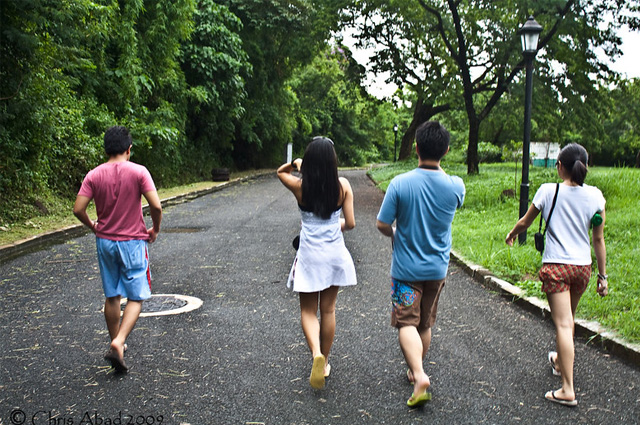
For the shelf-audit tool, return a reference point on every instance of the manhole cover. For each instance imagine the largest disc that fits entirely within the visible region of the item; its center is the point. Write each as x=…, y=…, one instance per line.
x=166, y=304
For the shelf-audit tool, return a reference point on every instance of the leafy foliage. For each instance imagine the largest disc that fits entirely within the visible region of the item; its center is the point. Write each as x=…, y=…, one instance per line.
x=466, y=55
x=278, y=36
x=216, y=69
x=620, y=118
x=47, y=131
x=329, y=104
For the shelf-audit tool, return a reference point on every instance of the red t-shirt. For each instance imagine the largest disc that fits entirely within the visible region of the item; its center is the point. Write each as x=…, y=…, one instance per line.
x=116, y=188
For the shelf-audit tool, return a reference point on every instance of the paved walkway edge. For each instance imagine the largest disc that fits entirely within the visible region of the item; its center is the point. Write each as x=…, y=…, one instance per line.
x=593, y=331
x=15, y=249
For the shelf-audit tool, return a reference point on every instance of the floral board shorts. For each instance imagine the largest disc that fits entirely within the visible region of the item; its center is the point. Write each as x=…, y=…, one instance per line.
x=564, y=277
x=415, y=303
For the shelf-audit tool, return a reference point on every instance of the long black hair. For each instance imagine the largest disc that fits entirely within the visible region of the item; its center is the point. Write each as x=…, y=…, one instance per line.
x=321, y=189
x=574, y=159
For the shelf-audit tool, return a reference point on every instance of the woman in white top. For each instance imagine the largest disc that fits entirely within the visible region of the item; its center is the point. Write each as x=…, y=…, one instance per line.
x=566, y=262
x=323, y=263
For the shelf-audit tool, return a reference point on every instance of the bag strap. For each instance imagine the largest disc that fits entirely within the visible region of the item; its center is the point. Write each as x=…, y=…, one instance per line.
x=553, y=205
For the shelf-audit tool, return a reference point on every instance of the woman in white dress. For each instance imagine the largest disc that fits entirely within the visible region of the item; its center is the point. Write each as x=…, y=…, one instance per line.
x=323, y=263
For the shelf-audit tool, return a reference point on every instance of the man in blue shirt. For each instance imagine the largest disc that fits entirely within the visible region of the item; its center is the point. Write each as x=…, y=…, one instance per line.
x=422, y=202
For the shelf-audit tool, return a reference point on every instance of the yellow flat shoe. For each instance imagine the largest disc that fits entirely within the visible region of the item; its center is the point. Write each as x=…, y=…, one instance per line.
x=421, y=400
x=317, y=372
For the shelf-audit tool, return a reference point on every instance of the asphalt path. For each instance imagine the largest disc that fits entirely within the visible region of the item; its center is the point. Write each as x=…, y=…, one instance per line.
x=241, y=358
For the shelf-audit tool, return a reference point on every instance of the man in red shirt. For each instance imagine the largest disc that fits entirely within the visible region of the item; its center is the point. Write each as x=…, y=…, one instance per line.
x=121, y=235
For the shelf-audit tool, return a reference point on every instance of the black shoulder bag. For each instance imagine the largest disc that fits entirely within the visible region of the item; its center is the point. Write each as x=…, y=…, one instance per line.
x=539, y=237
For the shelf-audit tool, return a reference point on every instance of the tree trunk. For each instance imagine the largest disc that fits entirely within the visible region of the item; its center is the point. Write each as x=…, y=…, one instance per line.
x=421, y=113
x=473, y=163
x=406, y=147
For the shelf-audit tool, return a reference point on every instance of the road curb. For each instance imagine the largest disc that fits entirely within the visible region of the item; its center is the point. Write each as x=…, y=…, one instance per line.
x=15, y=249
x=593, y=331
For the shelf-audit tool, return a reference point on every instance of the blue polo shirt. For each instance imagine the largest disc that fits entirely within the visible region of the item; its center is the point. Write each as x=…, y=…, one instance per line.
x=422, y=203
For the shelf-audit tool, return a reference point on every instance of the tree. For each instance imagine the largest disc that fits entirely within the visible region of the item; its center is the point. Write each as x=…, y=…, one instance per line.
x=480, y=39
x=621, y=121
x=414, y=59
x=144, y=84
x=216, y=70
x=331, y=102
x=70, y=69
x=47, y=137
x=279, y=37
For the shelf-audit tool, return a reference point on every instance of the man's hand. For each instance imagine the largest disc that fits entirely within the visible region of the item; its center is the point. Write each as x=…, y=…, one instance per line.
x=155, y=209
x=153, y=235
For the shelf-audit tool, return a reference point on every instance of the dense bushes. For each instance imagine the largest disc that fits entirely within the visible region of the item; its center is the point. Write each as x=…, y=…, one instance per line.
x=200, y=83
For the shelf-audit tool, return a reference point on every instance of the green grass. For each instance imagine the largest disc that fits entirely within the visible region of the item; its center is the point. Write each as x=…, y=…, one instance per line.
x=480, y=227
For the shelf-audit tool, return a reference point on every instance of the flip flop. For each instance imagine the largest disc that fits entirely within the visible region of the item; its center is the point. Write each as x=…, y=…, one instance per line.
x=326, y=375
x=410, y=377
x=552, y=362
x=421, y=400
x=116, y=361
x=551, y=396
x=317, y=372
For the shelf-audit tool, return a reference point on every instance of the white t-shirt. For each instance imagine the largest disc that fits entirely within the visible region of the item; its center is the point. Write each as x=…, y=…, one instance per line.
x=567, y=239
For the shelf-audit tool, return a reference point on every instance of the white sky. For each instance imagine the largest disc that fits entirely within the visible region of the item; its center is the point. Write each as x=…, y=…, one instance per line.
x=628, y=64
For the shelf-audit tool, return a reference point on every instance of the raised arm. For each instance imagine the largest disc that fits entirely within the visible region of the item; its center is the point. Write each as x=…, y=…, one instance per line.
x=291, y=182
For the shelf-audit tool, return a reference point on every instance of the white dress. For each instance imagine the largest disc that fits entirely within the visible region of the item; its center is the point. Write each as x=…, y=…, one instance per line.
x=322, y=259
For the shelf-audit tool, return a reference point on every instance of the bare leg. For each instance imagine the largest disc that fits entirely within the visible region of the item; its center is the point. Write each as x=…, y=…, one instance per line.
x=112, y=315
x=562, y=307
x=129, y=319
x=425, y=336
x=413, y=349
x=311, y=329
x=327, y=322
x=309, y=321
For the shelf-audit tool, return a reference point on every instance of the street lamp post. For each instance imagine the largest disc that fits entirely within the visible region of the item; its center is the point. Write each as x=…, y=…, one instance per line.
x=395, y=140
x=529, y=33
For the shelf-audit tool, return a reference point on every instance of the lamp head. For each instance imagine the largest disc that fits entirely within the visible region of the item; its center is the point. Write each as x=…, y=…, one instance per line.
x=529, y=33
